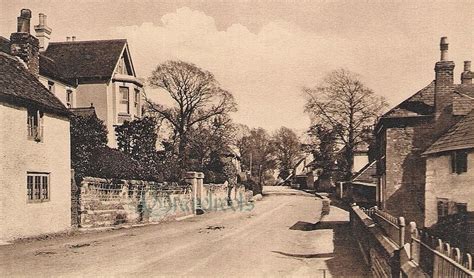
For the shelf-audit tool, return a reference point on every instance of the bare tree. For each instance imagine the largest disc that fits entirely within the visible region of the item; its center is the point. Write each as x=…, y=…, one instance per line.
x=287, y=150
x=343, y=103
x=197, y=97
x=257, y=150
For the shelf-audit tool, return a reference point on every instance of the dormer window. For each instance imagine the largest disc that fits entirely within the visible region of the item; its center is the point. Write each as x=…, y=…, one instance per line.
x=35, y=125
x=459, y=162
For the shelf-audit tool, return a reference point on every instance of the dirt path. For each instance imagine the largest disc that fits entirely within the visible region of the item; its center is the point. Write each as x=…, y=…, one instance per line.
x=278, y=237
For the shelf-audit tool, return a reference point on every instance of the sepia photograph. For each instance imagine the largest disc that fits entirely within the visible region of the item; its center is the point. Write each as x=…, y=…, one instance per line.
x=236, y=138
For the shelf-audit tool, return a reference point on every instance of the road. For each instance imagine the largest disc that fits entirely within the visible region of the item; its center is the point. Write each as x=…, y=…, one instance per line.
x=280, y=236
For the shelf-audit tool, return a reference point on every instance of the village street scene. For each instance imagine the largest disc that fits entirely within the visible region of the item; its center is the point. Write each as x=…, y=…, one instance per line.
x=236, y=138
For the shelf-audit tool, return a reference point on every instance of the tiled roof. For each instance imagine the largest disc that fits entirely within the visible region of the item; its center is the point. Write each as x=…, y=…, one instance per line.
x=85, y=60
x=460, y=136
x=84, y=111
x=49, y=69
x=463, y=99
x=367, y=174
x=19, y=87
x=4, y=45
x=421, y=103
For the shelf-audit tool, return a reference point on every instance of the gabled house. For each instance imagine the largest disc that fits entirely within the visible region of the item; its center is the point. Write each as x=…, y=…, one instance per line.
x=96, y=73
x=405, y=132
x=35, y=171
x=450, y=172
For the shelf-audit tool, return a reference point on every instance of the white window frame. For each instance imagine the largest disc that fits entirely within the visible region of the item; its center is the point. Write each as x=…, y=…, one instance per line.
x=51, y=87
x=69, y=98
x=38, y=187
x=123, y=100
x=137, y=102
x=35, y=125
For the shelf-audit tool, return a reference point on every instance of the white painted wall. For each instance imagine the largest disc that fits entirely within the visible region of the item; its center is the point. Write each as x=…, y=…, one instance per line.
x=441, y=183
x=18, y=155
x=360, y=160
x=60, y=90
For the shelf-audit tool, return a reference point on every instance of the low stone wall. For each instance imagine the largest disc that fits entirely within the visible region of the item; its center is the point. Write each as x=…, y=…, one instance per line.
x=101, y=202
x=216, y=196
x=105, y=202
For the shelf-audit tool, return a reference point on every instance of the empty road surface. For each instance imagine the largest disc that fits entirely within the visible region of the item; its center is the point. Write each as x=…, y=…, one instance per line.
x=280, y=236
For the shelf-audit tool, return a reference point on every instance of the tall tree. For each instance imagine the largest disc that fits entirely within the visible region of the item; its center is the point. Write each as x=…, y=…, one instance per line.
x=287, y=150
x=324, y=141
x=197, y=97
x=88, y=134
x=137, y=139
x=213, y=136
x=258, y=151
x=343, y=103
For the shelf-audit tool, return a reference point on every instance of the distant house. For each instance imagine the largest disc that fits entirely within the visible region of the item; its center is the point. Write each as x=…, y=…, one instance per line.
x=85, y=73
x=407, y=160
x=35, y=172
x=303, y=174
x=362, y=188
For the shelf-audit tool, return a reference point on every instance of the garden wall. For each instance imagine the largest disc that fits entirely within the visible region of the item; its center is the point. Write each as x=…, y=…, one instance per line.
x=104, y=202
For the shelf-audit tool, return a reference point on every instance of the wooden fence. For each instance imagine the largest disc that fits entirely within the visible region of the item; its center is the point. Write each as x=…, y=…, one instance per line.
x=436, y=257
x=394, y=227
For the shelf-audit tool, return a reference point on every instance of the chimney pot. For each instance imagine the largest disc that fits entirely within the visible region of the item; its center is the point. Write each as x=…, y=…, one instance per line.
x=42, y=19
x=23, y=21
x=467, y=75
x=467, y=65
x=73, y=38
x=443, y=46
x=43, y=32
x=68, y=39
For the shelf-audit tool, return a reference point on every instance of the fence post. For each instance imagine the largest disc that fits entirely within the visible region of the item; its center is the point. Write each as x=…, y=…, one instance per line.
x=413, y=233
x=192, y=179
x=401, y=236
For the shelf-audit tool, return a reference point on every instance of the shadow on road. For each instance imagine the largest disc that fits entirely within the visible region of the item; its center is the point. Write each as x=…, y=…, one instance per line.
x=344, y=260
x=306, y=256
x=306, y=226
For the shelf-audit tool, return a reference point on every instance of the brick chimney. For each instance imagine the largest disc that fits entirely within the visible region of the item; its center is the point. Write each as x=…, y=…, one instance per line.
x=43, y=32
x=24, y=45
x=444, y=70
x=467, y=75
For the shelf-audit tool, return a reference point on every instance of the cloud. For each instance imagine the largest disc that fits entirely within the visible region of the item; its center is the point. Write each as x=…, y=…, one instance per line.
x=264, y=70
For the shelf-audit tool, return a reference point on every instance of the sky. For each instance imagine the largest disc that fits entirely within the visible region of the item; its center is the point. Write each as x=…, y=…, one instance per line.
x=265, y=51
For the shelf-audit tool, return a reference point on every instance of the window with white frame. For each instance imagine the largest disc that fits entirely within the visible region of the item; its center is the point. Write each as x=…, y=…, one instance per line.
x=69, y=98
x=37, y=186
x=51, y=86
x=137, y=102
x=124, y=100
x=459, y=161
x=35, y=125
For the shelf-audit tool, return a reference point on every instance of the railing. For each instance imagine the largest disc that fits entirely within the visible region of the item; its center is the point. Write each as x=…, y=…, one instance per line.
x=438, y=258
x=394, y=227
